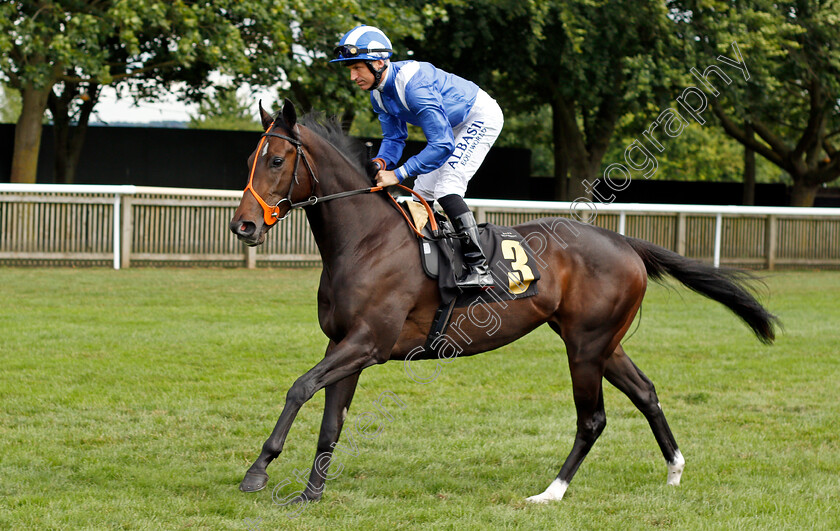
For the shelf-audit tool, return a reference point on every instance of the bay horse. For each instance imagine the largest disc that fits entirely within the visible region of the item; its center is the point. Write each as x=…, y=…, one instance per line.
x=375, y=304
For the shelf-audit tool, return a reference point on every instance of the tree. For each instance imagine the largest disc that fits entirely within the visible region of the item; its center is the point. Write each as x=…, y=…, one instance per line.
x=701, y=153
x=57, y=53
x=314, y=29
x=9, y=104
x=589, y=61
x=790, y=99
x=74, y=103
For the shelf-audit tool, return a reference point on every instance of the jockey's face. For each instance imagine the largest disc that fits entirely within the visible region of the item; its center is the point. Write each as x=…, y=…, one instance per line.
x=361, y=75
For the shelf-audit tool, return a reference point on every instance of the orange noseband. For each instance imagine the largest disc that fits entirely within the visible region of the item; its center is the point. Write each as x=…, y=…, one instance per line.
x=270, y=214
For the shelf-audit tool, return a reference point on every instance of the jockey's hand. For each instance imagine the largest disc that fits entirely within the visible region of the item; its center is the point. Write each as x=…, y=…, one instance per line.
x=386, y=178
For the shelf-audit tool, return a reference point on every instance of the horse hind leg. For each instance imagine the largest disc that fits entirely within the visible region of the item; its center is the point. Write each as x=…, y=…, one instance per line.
x=621, y=372
x=586, y=368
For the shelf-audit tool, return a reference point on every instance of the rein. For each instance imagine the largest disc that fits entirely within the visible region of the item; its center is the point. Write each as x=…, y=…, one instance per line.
x=271, y=214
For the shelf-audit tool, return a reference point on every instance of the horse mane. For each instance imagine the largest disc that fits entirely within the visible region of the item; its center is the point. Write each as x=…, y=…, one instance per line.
x=329, y=129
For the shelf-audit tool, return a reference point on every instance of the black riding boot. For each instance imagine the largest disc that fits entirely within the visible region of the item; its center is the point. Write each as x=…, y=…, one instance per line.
x=479, y=273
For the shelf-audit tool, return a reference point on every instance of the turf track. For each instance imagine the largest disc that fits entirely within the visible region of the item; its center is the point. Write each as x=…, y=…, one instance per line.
x=136, y=399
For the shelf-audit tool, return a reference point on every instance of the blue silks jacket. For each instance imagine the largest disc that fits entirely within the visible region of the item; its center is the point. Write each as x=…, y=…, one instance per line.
x=420, y=94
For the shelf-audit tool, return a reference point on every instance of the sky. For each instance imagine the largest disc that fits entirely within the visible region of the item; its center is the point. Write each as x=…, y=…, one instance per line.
x=112, y=109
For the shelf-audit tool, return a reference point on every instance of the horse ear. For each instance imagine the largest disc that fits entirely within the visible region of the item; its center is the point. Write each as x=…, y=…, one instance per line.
x=266, y=118
x=289, y=114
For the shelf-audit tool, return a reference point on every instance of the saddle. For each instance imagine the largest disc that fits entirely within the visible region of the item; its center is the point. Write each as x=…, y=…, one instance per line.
x=510, y=259
x=511, y=263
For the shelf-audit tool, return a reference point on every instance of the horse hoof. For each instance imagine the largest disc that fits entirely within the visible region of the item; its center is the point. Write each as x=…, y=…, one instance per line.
x=254, y=481
x=306, y=498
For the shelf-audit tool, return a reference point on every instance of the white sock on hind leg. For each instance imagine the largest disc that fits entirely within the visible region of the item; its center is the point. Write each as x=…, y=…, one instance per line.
x=554, y=492
x=675, y=469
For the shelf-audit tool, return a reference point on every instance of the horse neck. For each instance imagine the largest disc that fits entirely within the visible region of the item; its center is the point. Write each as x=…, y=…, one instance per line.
x=341, y=226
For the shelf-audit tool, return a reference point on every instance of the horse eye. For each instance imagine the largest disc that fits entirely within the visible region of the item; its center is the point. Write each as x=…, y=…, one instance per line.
x=276, y=162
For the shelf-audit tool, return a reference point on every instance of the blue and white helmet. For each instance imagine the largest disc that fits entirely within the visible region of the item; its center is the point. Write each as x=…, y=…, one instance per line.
x=363, y=43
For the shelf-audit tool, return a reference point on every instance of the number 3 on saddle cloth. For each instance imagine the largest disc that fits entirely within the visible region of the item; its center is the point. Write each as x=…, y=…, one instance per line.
x=511, y=262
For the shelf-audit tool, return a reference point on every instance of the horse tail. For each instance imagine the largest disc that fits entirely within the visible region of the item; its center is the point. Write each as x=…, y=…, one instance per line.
x=730, y=287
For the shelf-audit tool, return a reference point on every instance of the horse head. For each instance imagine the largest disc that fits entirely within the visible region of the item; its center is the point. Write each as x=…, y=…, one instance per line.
x=280, y=176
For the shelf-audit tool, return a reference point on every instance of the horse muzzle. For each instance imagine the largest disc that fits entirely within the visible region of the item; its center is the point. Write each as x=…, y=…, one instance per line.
x=247, y=232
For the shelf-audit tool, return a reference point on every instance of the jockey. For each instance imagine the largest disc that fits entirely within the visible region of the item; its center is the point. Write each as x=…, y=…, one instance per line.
x=460, y=122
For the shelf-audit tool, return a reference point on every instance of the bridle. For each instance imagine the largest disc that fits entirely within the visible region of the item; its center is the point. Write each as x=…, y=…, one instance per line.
x=271, y=214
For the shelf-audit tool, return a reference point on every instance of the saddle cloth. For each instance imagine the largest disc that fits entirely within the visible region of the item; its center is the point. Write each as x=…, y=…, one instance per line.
x=511, y=261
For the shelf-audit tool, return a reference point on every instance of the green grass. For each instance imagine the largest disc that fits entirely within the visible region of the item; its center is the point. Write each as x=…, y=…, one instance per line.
x=137, y=399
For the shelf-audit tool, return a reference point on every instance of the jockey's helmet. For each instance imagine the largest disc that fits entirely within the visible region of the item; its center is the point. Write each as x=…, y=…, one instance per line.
x=363, y=43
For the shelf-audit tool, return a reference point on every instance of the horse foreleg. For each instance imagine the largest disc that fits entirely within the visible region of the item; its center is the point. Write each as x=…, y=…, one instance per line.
x=589, y=403
x=337, y=402
x=624, y=375
x=349, y=357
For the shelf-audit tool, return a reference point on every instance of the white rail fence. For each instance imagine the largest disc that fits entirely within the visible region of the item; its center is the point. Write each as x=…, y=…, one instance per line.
x=129, y=225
